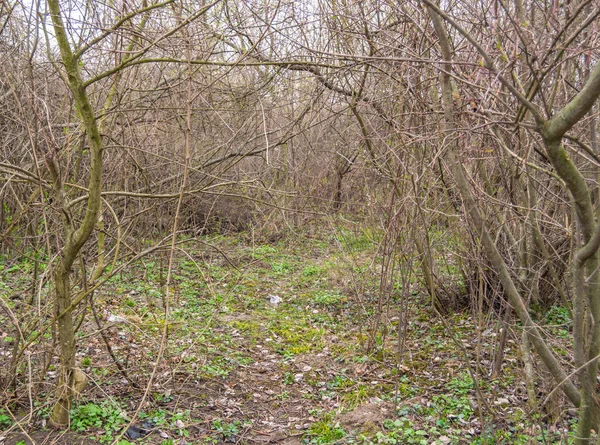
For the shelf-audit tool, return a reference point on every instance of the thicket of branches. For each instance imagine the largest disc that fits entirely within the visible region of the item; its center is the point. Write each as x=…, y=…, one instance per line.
x=473, y=117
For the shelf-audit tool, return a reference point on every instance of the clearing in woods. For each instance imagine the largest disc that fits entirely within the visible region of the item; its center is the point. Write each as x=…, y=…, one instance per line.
x=268, y=343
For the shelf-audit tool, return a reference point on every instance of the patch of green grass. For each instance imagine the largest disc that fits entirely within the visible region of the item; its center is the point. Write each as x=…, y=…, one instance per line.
x=329, y=298
x=461, y=385
x=281, y=268
x=399, y=431
x=162, y=418
x=359, y=395
x=451, y=407
x=296, y=337
x=357, y=241
x=263, y=251
x=251, y=328
x=324, y=431
x=312, y=271
x=158, y=416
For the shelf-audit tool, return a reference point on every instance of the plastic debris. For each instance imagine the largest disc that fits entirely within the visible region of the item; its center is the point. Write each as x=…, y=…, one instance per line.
x=136, y=432
x=115, y=319
x=275, y=300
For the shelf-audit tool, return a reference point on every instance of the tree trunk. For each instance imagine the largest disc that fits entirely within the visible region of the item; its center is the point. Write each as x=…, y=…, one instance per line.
x=66, y=339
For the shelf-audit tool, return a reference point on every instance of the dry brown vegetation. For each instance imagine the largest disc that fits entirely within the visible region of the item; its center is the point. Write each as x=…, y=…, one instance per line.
x=458, y=140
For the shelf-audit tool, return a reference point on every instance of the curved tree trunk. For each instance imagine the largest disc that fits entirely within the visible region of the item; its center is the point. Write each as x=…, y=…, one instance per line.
x=74, y=238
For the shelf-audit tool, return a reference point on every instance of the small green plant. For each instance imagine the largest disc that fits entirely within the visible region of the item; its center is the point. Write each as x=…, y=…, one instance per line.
x=359, y=395
x=312, y=270
x=339, y=381
x=162, y=397
x=288, y=379
x=158, y=417
x=281, y=268
x=324, y=431
x=559, y=316
x=228, y=430
x=178, y=421
x=328, y=299
x=5, y=419
x=86, y=361
x=405, y=387
x=217, y=368
x=106, y=415
x=263, y=250
x=401, y=431
x=284, y=395
x=461, y=385
x=458, y=407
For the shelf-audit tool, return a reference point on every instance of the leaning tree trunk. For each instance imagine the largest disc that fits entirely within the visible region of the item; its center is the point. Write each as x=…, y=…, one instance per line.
x=586, y=262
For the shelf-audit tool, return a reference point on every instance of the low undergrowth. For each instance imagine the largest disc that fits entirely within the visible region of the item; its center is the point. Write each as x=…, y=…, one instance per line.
x=271, y=343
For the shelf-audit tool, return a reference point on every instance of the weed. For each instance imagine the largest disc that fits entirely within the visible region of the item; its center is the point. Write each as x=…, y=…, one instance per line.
x=339, y=381
x=218, y=367
x=401, y=431
x=328, y=299
x=178, y=422
x=288, y=379
x=106, y=415
x=324, y=431
x=261, y=251
x=451, y=407
x=406, y=389
x=558, y=316
x=157, y=417
x=281, y=268
x=361, y=394
x=162, y=398
x=228, y=430
x=312, y=270
x=297, y=339
x=461, y=385
x=284, y=395
x=5, y=419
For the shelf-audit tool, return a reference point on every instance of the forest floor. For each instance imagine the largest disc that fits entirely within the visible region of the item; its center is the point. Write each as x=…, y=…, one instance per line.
x=273, y=343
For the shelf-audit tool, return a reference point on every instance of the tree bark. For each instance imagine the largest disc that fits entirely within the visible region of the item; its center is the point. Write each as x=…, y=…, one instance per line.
x=74, y=238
